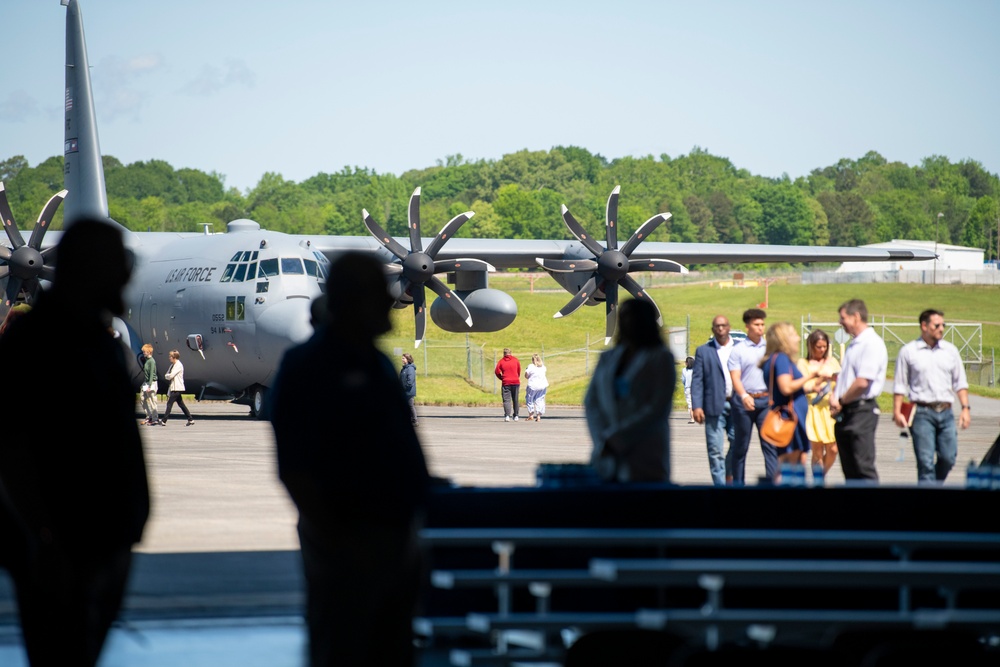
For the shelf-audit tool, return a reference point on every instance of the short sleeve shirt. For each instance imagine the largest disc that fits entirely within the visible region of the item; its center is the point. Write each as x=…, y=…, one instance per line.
x=745, y=358
x=929, y=374
x=866, y=357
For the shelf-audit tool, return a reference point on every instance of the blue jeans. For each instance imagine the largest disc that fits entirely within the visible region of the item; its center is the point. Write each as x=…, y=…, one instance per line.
x=717, y=428
x=743, y=423
x=934, y=432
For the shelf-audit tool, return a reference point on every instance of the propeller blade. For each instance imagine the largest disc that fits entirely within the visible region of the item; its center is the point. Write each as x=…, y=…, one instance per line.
x=635, y=289
x=462, y=264
x=566, y=265
x=13, y=288
x=5, y=253
x=13, y=233
x=31, y=289
x=611, y=218
x=579, y=298
x=382, y=236
x=47, y=273
x=451, y=299
x=447, y=232
x=668, y=265
x=419, y=315
x=644, y=230
x=4, y=271
x=611, y=308
x=45, y=218
x=580, y=233
x=393, y=268
x=413, y=222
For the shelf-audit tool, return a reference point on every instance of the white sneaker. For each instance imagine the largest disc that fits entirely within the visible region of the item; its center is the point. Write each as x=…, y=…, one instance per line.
x=515, y=417
x=506, y=419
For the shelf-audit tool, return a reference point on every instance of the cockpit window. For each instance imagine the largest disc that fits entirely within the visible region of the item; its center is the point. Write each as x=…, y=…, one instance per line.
x=291, y=265
x=268, y=268
x=227, y=275
x=252, y=271
x=241, y=273
x=311, y=268
x=246, y=256
x=236, y=257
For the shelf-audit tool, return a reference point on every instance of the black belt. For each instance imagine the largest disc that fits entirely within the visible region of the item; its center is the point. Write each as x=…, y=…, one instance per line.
x=858, y=405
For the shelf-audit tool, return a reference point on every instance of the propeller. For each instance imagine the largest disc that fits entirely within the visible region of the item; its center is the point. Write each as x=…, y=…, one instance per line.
x=23, y=265
x=417, y=267
x=611, y=265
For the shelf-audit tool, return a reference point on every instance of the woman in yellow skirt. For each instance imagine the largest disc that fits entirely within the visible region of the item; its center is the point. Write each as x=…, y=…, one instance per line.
x=819, y=423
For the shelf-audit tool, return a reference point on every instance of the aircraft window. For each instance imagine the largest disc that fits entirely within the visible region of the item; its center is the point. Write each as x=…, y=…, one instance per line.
x=253, y=255
x=246, y=256
x=252, y=271
x=236, y=257
x=262, y=286
x=311, y=268
x=241, y=273
x=268, y=268
x=291, y=265
x=227, y=275
x=235, y=308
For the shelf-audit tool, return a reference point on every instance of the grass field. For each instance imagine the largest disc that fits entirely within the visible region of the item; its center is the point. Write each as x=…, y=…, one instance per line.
x=457, y=369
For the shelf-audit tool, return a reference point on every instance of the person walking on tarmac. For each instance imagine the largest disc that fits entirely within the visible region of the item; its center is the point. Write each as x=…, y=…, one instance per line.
x=508, y=371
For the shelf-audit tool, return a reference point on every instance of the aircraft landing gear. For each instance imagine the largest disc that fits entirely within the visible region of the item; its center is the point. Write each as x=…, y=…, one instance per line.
x=257, y=397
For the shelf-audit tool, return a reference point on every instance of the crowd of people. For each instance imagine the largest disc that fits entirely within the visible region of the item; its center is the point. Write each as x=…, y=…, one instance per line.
x=735, y=384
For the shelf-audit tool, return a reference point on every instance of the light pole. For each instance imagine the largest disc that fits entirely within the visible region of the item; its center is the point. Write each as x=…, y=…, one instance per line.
x=936, y=223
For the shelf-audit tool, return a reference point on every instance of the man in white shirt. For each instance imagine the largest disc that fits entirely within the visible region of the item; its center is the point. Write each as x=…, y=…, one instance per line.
x=852, y=404
x=929, y=371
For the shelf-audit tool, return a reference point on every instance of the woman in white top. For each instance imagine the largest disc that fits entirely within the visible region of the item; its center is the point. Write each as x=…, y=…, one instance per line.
x=538, y=384
x=175, y=374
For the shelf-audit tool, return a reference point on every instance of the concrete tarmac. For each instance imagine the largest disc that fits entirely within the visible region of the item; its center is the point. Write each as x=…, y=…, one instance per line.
x=217, y=577
x=215, y=485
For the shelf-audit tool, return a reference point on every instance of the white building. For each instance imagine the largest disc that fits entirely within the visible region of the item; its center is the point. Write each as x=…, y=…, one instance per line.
x=950, y=258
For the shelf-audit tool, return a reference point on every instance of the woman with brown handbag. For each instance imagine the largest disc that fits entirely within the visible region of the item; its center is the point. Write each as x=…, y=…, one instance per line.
x=785, y=383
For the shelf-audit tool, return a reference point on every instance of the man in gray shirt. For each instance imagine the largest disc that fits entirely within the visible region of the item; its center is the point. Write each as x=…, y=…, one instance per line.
x=930, y=373
x=749, y=402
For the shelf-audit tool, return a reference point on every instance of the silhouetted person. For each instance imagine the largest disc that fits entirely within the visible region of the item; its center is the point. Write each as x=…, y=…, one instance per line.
x=76, y=484
x=629, y=399
x=351, y=461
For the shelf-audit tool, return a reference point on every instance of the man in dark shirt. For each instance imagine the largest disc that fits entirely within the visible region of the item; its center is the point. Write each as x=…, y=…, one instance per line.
x=360, y=497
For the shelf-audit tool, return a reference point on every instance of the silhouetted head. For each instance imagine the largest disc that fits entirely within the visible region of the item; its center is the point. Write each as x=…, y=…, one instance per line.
x=93, y=266
x=359, y=308
x=637, y=325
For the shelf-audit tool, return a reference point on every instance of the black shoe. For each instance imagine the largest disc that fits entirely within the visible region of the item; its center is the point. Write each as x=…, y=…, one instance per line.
x=190, y=421
x=163, y=422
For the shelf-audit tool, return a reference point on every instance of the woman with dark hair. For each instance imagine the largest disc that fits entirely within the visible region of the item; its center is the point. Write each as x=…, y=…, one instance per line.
x=629, y=399
x=819, y=423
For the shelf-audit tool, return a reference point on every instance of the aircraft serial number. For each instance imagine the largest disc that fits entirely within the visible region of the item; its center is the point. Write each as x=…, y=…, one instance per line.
x=191, y=274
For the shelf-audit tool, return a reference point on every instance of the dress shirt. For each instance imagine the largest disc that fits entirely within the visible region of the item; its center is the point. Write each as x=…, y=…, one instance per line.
x=724, y=351
x=745, y=358
x=865, y=357
x=929, y=374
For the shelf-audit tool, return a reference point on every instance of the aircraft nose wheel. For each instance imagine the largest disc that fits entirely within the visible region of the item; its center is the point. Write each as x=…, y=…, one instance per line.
x=257, y=397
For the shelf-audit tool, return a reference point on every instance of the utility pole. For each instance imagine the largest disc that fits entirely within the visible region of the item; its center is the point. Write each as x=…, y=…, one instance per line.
x=936, y=223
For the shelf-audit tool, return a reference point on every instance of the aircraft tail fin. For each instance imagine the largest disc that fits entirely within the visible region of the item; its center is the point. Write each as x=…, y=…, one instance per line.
x=83, y=171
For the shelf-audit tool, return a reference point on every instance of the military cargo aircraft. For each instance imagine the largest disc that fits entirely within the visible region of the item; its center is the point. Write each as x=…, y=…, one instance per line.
x=237, y=300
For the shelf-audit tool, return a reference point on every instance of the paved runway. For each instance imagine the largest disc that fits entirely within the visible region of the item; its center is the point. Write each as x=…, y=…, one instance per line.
x=217, y=578
x=215, y=486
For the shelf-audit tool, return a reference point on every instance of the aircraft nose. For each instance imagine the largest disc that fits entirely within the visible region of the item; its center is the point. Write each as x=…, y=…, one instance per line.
x=283, y=325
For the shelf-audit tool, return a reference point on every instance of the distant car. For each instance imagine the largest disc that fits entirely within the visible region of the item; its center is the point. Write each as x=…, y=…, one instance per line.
x=737, y=336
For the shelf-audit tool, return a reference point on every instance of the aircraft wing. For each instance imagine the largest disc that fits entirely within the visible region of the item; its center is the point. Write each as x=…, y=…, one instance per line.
x=519, y=253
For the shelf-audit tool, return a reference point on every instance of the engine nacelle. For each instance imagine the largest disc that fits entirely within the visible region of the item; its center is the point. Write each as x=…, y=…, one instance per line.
x=574, y=282
x=491, y=310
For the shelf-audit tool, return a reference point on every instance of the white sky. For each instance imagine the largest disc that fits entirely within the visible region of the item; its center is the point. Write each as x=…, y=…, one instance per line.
x=307, y=86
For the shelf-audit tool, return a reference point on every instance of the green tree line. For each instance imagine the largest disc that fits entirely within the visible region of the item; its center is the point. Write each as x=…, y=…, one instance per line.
x=852, y=202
